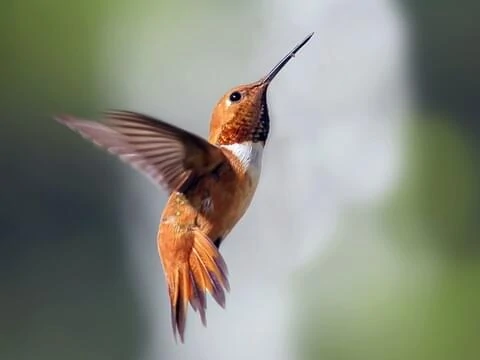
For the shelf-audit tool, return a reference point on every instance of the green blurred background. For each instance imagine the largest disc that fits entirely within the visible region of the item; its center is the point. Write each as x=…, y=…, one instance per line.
x=66, y=289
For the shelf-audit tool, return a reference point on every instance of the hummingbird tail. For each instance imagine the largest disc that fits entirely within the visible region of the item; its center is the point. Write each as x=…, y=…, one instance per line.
x=204, y=271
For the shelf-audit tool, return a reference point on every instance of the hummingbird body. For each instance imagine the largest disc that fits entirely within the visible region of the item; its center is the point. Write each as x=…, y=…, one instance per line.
x=194, y=224
x=217, y=201
x=211, y=183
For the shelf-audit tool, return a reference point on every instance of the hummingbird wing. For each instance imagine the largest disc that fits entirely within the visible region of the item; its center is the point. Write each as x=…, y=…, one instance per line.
x=170, y=156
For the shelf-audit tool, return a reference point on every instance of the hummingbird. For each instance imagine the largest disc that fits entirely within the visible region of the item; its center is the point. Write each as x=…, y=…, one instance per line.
x=210, y=183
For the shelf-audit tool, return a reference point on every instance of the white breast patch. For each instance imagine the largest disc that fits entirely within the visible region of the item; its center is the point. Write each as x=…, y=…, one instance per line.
x=250, y=156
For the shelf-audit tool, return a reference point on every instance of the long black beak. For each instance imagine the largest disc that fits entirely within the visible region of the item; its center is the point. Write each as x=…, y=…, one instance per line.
x=267, y=79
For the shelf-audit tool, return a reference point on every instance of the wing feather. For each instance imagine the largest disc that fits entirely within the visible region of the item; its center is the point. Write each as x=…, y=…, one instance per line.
x=170, y=156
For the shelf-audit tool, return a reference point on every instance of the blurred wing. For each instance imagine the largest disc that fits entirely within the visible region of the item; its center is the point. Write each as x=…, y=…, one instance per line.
x=172, y=157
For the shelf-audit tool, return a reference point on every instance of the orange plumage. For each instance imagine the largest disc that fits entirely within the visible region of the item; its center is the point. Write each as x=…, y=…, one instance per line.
x=211, y=183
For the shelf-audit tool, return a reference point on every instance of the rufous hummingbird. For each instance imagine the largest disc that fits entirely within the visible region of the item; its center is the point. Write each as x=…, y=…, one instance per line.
x=211, y=183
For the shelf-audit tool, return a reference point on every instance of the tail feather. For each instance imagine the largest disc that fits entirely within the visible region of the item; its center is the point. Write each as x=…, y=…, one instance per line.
x=199, y=285
x=203, y=271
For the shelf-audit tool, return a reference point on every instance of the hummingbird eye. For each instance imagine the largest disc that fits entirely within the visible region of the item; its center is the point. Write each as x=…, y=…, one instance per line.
x=235, y=96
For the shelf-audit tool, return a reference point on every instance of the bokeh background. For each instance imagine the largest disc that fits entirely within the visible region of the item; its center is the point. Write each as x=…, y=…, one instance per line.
x=362, y=241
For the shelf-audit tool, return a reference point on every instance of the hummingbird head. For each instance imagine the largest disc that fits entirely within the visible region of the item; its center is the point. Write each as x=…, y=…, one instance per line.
x=241, y=115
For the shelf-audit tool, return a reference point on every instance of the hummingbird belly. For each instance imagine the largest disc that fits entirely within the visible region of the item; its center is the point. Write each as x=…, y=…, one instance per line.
x=213, y=206
x=218, y=201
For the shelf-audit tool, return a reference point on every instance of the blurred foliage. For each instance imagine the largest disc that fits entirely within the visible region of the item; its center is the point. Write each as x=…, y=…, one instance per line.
x=418, y=296
x=447, y=57
x=65, y=293
x=438, y=201
x=433, y=317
